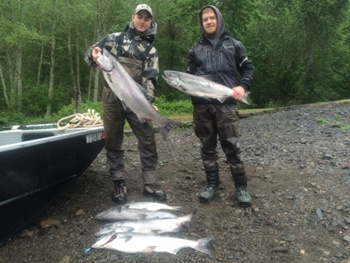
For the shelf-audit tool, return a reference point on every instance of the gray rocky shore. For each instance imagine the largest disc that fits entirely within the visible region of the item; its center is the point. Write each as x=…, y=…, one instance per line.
x=298, y=163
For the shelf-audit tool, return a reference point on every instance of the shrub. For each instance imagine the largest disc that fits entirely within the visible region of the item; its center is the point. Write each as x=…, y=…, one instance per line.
x=168, y=108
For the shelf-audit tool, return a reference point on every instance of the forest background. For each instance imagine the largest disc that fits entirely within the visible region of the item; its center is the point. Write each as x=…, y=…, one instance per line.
x=300, y=50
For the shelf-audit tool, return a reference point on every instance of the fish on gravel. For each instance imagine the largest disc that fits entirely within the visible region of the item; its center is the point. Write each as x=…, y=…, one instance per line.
x=145, y=243
x=118, y=213
x=130, y=92
x=199, y=86
x=150, y=206
x=148, y=226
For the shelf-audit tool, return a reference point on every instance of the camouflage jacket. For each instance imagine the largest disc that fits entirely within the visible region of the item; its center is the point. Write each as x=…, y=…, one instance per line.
x=134, y=45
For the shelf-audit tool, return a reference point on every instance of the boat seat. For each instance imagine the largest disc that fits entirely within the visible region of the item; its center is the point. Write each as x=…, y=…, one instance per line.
x=35, y=135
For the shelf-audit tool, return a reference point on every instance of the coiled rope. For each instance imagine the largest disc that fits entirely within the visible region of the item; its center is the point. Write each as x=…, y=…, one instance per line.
x=88, y=119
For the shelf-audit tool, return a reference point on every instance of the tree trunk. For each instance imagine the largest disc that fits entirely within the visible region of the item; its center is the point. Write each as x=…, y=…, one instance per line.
x=41, y=58
x=95, y=72
x=4, y=87
x=70, y=58
x=77, y=58
x=96, y=84
x=18, y=67
x=100, y=24
x=52, y=57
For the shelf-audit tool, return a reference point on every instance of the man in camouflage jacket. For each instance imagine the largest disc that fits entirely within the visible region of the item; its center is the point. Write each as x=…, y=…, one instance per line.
x=134, y=49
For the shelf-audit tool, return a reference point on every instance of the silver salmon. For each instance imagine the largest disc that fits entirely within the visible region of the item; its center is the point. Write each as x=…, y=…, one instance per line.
x=148, y=226
x=145, y=243
x=150, y=206
x=199, y=86
x=129, y=92
x=117, y=213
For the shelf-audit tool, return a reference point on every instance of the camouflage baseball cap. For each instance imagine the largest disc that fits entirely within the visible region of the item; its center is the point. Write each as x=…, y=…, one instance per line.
x=143, y=7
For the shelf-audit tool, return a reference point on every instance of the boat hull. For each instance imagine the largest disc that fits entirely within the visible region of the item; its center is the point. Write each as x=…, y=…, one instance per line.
x=35, y=173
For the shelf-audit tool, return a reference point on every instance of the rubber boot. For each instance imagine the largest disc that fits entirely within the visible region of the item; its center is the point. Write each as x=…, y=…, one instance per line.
x=212, y=187
x=119, y=195
x=242, y=195
x=154, y=191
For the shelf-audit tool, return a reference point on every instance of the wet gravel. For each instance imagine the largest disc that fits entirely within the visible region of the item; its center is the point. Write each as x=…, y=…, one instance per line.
x=298, y=164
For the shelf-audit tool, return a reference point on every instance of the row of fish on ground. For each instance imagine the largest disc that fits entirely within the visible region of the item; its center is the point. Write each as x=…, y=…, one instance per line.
x=139, y=227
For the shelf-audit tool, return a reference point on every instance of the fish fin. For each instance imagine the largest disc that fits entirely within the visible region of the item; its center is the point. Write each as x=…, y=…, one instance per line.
x=124, y=105
x=177, y=229
x=127, y=238
x=142, y=216
x=149, y=249
x=202, y=245
x=109, y=76
x=127, y=229
x=222, y=100
x=194, y=212
x=141, y=119
x=111, y=238
x=174, y=251
x=165, y=129
x=156, y=231
x=142, y=89
x=206, y=98
x=245, y=98
x=175, y=207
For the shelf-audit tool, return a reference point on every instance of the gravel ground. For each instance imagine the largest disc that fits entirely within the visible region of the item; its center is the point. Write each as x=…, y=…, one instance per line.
x=298, y=164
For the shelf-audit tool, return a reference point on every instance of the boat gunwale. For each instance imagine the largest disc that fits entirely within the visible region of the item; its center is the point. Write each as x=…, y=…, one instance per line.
x=70, y=133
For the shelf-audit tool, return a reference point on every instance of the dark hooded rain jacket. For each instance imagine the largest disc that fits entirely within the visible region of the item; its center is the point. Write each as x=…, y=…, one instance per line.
x=221, y=59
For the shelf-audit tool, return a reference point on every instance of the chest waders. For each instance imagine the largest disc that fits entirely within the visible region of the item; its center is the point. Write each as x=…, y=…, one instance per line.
x=115, y=114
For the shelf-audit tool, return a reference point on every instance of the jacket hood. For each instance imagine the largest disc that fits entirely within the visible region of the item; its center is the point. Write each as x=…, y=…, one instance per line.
x=220, y=27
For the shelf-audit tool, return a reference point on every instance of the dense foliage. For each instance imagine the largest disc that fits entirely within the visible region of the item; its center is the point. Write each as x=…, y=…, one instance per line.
x=300, y=50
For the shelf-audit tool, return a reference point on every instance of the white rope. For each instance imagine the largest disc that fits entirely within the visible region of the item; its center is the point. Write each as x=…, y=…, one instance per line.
x=88, y=119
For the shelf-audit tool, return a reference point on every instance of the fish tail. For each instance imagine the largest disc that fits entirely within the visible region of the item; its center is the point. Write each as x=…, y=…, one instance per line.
x=202, y=245
x=245, y=98
x=194, y=212
x=165, y=129
x=175, y=207
x=222, y=100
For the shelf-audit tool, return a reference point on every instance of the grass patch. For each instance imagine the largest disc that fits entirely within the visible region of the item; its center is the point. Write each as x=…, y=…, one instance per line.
x=322, y=121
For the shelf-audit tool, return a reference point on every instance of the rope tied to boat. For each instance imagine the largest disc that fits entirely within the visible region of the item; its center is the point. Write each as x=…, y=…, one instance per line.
x=86, y=120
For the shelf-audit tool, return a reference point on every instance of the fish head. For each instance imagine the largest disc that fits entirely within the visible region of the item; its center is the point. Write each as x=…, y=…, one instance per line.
x=104, y=62
x=172, y=78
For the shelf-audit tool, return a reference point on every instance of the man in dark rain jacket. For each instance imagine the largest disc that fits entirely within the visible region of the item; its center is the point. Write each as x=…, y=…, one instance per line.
x=134, y=50
x=222, y=59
